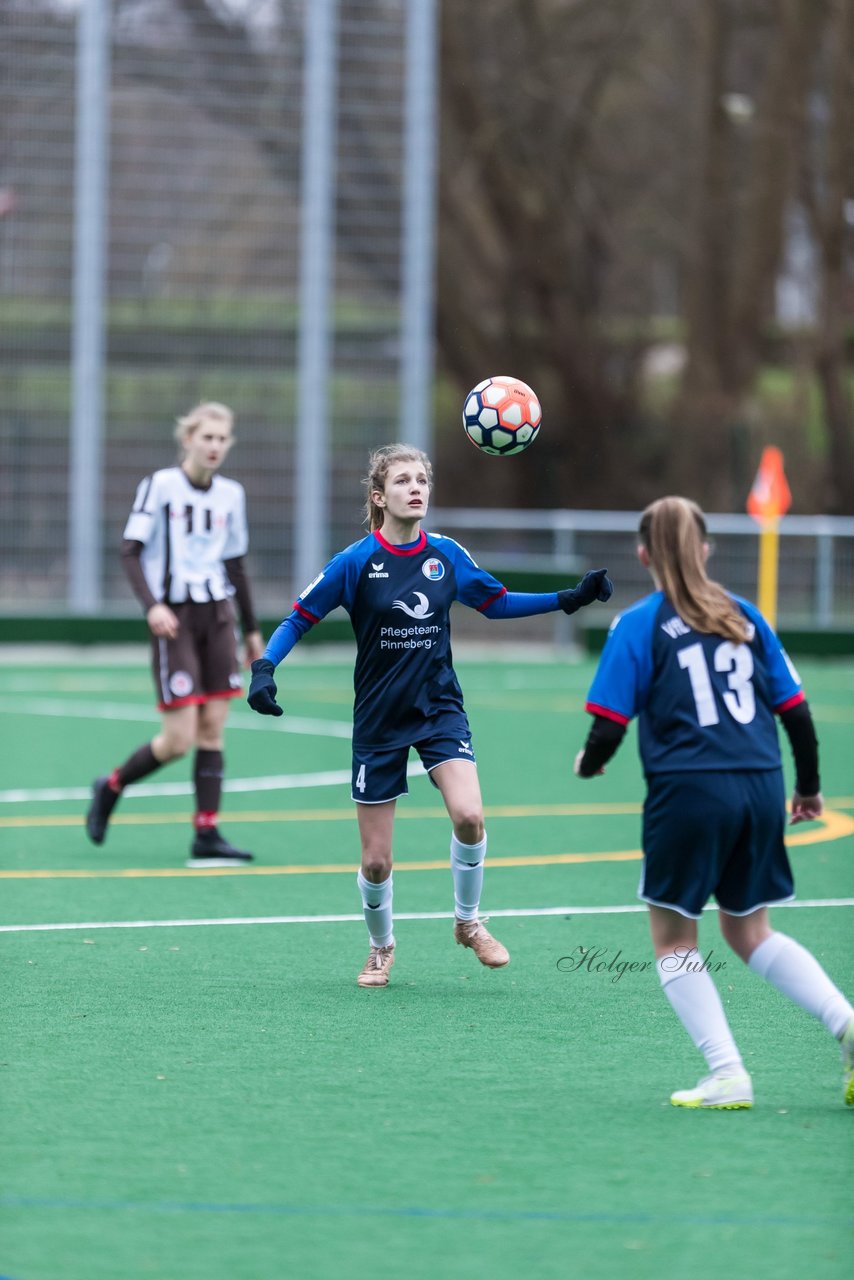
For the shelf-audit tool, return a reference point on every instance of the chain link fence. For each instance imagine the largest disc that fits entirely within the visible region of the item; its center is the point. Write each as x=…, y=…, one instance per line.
x=202, y=299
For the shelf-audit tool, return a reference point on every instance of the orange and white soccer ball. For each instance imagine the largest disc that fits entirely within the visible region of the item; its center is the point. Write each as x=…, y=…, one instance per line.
x=502, y=415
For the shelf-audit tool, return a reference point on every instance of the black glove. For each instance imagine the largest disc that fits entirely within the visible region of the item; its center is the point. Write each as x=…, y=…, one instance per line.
x=595, y=585
x=262, y=691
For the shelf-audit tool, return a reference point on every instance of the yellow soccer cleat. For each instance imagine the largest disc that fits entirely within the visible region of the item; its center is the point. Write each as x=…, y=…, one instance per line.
x=847, y=1043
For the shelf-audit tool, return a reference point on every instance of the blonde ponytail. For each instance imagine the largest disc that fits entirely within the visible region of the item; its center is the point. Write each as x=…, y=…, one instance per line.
x=673, y=531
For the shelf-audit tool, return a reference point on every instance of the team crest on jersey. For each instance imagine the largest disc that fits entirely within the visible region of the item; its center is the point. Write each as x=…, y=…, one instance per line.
x=181, y=683
x=433, y=569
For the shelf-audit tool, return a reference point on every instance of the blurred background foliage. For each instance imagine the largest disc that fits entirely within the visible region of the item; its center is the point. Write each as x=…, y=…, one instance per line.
x=645, y=210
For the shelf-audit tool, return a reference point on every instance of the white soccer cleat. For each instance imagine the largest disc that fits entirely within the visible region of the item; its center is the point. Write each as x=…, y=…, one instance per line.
x=718, y=1093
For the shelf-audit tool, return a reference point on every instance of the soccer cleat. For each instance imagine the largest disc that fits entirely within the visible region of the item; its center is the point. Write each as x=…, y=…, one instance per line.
x=377, y=965
x=489, y=951
x=210, y=849
x=104, y=801
x=718, y=1093
x=848, y=1063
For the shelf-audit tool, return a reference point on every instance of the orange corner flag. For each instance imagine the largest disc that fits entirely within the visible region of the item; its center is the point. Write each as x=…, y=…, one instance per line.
x=770, y=497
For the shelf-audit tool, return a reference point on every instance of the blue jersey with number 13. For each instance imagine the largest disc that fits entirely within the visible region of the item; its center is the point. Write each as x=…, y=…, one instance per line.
x=702, y=702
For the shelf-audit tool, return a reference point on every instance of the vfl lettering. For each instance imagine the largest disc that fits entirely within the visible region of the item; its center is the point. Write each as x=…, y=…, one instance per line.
x=420, y=610
x=675, y=627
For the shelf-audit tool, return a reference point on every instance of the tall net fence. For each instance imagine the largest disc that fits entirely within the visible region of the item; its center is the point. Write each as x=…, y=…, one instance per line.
x=205, y=133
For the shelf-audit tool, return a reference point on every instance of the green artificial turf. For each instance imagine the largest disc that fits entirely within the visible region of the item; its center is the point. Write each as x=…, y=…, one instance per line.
x=221, y=1100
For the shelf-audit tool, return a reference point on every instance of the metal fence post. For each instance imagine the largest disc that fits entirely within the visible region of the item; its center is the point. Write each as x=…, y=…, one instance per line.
x=317, y=240
x=85, y=509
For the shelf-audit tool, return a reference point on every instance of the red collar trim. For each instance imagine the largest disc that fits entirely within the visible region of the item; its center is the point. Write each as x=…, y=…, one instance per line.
x=400, y=551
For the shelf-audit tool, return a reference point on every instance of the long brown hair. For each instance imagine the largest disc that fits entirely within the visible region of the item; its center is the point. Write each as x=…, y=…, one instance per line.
x=378, y=465
x=673, y=531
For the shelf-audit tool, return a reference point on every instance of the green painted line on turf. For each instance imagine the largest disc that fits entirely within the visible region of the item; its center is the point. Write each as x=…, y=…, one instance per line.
x=719, y=1218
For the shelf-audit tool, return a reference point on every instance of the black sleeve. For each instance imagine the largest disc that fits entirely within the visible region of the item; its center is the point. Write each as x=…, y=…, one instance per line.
x=236, y=570
x=132, y=565
x=798, y=723
x=602, y=741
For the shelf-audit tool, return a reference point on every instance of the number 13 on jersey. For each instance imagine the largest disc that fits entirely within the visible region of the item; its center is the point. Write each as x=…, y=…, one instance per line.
x=736, y=661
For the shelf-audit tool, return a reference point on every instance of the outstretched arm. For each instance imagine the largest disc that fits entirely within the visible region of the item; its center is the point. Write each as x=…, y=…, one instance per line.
x=807, y=802
x=595, y=585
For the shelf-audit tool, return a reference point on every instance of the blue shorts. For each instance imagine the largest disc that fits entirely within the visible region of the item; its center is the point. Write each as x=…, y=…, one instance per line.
x=715, y=833
x=380, y=775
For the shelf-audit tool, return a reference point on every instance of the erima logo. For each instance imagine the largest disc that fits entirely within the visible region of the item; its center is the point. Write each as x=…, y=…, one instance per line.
x=465, y=748
x=377, y=570
x=420, y=610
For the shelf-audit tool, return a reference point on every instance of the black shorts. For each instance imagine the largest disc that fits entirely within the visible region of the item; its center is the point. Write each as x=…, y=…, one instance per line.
x=715, y=833
x=201, y=662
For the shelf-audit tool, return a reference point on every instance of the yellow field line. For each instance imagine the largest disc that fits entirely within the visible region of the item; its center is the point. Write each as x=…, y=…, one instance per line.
x=345, y=815
x=325, y=815
x=439, y=864
x=834, y=826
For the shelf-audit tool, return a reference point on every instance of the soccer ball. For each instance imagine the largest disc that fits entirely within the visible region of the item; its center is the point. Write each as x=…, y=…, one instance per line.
x=502, y=415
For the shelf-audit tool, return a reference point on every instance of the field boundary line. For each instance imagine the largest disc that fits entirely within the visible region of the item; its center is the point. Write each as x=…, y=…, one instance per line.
x=358, y=918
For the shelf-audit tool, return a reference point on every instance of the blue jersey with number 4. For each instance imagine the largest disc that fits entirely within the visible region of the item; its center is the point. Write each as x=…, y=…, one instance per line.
x=399, y=601
x=702, y=702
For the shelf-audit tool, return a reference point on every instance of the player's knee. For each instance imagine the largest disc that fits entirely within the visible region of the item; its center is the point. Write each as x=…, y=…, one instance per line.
x=468, y=825
x=743, y=934
x=172, y=745
x=376, y=865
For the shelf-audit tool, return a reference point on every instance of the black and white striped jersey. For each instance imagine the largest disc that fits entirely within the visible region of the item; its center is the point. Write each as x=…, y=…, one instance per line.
x=187, y=533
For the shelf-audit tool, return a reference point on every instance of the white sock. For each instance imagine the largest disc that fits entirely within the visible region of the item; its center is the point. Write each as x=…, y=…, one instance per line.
x=795, y=971
x=696, y=1003
x=467, y=870
x=376, y=904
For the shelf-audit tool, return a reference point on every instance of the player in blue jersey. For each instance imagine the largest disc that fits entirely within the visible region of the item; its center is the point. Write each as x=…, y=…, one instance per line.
x=705, y=675
x=398, y=585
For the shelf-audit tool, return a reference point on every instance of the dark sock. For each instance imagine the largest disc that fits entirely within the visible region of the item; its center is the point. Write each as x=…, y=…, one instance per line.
x=139, y=765
x=207, y=779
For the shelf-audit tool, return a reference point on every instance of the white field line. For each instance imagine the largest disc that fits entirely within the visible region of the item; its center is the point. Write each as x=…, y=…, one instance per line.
x=511, y=912
x=276, y=782
x=129, y=711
